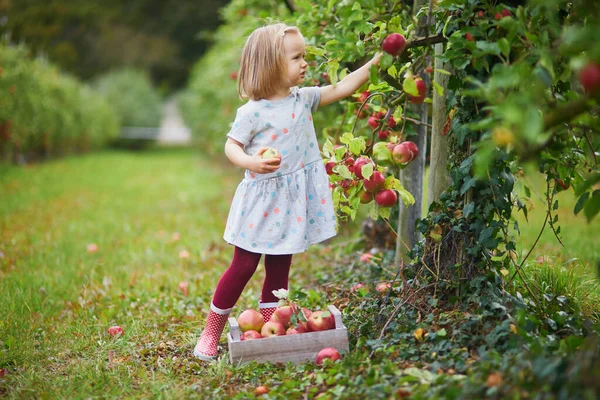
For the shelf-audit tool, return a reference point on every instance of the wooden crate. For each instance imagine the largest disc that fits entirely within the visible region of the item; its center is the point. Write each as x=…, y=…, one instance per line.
x=295, y=348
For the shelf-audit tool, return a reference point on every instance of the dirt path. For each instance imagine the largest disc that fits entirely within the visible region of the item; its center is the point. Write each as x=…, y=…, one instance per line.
x=172, y=128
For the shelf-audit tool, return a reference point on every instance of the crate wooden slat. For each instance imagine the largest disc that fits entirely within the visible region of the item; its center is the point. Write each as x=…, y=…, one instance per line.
x=295, y=348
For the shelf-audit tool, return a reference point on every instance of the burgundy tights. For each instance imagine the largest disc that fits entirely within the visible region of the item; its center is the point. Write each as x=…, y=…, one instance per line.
x=243, y=266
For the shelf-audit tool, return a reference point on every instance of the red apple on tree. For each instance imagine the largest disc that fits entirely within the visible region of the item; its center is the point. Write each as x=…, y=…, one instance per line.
x=391, y=122
x=329, y=167
x=364, y=96
x=365, y=197
x=272, y=328
x=358, y=164
x=373, y=123
x=375, y=182
x=330, y=353
x=383, y=134
x=421, y=89
x=250, y=320
x=250, y=335
x=405, y=152
x=394, y=44
x=469, y=37
x=386, y=198
x=320, y=321
x=589, y=77
x=349, y=163
x=506, y=13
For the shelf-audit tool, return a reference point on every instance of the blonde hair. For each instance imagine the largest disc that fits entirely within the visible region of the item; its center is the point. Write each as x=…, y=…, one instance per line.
x=263, y=61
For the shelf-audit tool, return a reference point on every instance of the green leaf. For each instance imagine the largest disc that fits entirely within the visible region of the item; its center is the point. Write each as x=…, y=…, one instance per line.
x=393, y=71
x=315, y=51
x=328, y=148
x=367, y=170
x=410, y=86
x=384, y=212
x=439, y=90
x=443, y=71
x=386, y=61
x=406, y=197
x=504, y=46
x=381, y=152
x=581, y=202
x=343, y=171
x=347, y=138
x=373, y=75
x=398, y=114
x=592, y=207
x=441, y=332
x=357, y=145
x=332, y=70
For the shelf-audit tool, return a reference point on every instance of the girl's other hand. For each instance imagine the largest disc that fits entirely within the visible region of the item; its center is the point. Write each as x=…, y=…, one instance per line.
x=264, y=165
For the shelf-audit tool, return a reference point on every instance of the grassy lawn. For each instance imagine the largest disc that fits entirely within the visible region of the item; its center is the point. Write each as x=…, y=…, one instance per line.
x=156, y=218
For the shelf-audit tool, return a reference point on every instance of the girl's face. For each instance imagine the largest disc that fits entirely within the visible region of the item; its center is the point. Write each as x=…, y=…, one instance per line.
x=293, y=45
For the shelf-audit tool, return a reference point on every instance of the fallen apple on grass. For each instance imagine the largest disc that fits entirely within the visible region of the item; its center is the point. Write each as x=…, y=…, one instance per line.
x=115, y=331
x=330, y=353
x=260, y=390
x=250, y=320
x=272, y=328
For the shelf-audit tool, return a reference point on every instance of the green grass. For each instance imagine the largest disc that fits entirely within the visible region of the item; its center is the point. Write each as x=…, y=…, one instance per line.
x=143, y=210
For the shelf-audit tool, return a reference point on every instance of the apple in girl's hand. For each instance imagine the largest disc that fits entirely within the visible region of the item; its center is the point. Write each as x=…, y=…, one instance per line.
x=422, y=90
x=270, y=153
x=327, y=353
x=115, y=330
x=283, y=314
x=320, y=321
x=272, y=328
x=386, y=198
x=250, y=320
x=394, y=44
x=375, y=182
x=250, y=335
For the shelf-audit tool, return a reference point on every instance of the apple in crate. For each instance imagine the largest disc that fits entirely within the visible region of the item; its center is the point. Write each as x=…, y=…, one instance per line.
x=293, y=331
x=250, y=320
x=321, y=321
x=250, y=335
x=272, y=328
x=327, y=353
x=283, y=314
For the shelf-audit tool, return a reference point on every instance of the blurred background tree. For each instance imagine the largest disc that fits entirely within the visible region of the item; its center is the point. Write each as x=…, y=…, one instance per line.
x=91, y=37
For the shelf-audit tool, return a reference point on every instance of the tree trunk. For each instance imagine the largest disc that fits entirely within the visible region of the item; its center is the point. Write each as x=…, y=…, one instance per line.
x=438, y=164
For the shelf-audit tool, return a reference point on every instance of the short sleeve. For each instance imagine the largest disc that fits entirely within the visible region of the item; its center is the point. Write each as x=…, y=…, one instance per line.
x=313, y=96
x=242, y=129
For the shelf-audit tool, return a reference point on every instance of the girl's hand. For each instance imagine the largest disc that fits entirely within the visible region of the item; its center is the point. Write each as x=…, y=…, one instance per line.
x=264, y=165
x=376, y=58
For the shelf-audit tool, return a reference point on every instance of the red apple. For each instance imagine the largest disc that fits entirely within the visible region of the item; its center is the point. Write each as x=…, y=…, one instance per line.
x=386, y=198
x=405, y=152
x=373, y=123
x=282, y=315
x=390, y=145
x=375, y=182
x=115, y=331
x=383, y=287
x=422, y=89
x=358, y=164
x=394, y=44
x=364, y=96
x=354, y=288
x=272, y=328
x=294, y=331
x=250, y=320
x=391, y=122
x=320, y=321
x=506, y=13
x=481, y=14
x=327, y=353
x=233, y=75
x=383, y=135
x=365, y=197
x=429, y=69
x=250, y=335
x=589, y=77
x=329, y=167
x=260, y=390
x=469, y=37
x=498, y=16
x=366, y=257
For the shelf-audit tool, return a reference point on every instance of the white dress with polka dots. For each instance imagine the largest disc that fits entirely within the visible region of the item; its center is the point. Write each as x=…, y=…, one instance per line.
x=286, y=211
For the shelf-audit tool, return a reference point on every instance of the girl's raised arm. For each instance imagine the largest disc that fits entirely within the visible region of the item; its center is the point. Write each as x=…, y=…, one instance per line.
x=348, y=85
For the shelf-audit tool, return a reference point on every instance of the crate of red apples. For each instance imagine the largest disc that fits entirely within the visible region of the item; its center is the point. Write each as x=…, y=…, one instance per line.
x=292, y=334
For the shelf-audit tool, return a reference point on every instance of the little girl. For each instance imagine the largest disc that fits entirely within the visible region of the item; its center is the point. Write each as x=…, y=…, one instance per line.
x=283, y=204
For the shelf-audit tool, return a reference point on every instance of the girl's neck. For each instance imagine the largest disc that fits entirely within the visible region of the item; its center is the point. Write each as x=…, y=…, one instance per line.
x=280, y=94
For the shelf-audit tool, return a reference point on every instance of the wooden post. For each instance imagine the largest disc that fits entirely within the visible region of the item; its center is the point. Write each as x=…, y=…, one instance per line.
x=412, y=176
x=438, y=165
